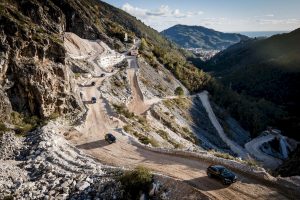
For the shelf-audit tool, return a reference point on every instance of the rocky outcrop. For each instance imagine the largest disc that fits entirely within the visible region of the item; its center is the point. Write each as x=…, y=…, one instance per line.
x=5, y=106
x=43, y=88
x=32, y=55
x=33, y=76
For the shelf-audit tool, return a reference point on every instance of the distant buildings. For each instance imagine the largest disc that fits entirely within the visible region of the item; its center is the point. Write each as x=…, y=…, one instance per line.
x=203, y=54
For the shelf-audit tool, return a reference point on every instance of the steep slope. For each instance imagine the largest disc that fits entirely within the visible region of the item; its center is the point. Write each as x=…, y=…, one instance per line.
x=32, y=61
x=41, y=32
x=290, y=167
x=265, y=68
x=201, y=37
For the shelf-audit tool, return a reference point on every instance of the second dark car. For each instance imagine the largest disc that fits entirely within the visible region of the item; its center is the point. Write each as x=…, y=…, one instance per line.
x=221, y=172
x=110, y=138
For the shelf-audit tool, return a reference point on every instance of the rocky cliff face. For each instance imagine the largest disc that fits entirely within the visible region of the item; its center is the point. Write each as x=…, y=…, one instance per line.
x=33, y=76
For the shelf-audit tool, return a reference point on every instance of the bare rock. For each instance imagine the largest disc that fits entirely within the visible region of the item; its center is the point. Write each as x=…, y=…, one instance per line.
x=82, y=185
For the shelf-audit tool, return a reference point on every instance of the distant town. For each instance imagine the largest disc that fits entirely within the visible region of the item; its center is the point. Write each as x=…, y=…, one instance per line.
x=203, y=54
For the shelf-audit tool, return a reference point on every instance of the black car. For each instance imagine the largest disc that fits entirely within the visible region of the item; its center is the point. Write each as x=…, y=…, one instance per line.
x=93, y=83
x=102, y=75
x=110, y=138
x=222, y=173
x=94, y=100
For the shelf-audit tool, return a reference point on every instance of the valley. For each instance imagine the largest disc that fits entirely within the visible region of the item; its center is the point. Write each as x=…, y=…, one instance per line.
x=96, y=104
x=128, y=152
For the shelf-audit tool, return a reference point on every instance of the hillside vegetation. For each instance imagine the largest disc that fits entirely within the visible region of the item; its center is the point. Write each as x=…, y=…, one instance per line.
x=266, y=69
x=201, y=37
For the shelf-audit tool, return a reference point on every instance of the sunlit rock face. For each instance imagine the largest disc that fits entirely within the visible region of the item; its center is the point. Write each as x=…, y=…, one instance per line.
x=34, y=78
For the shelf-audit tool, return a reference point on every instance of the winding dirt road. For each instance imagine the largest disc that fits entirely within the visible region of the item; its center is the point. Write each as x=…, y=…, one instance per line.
x=137, y=104
x=253, y=148
x=232, y=145
x=90, y=138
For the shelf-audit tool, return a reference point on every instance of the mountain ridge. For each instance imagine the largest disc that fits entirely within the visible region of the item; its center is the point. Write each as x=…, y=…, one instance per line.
x=201, y=37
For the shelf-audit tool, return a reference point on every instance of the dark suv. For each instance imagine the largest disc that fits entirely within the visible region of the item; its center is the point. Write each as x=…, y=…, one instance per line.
x=222, y=173
x=94, y=100
x=110, y=138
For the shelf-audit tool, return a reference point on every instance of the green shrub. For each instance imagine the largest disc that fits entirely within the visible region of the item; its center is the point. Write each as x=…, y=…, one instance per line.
x=143, y=139
x=53, y=116
x=163, y=134
x=77, y=75
x=8, y=198
x=135, y=182
x=185, y=129
x=16, y=118
x=142, y=120
x=179, y=91
x=25, y=123
x=3, y=127
x=223, y=155
x=128, y=128
x=121, y=109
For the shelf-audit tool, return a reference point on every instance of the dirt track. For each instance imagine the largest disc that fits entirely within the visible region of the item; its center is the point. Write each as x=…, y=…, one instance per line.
x=233, y=145
x=137, y=104
x=90, y=138
x=253, y=147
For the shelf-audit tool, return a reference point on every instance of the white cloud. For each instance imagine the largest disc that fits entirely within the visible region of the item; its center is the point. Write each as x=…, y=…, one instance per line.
x=270, y=15
x=135, y=11
x=162, y=11
x=176, y=13
x=163, y=16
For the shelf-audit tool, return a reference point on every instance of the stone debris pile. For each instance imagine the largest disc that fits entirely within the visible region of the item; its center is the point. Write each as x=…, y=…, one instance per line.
x=47, y=167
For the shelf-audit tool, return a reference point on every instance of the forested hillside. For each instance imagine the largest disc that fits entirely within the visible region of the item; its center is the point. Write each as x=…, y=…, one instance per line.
x=266, y=69
x=201, y=37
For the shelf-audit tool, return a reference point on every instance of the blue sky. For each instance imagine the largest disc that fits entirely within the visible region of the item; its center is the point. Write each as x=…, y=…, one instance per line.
x=222, y=15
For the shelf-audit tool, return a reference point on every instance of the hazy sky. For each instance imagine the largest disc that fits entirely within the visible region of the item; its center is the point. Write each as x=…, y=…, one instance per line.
x=222, y=15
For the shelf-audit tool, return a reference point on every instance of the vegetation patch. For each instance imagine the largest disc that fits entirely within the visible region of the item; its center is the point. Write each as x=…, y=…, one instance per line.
x=128, y=128
x=165, y=136
x=122, y=110
x=145, y=140
x=77, y=75
x=3, y=128
x=179, y=91
x=136, y=182
x=24, y=123
x=223, y=155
